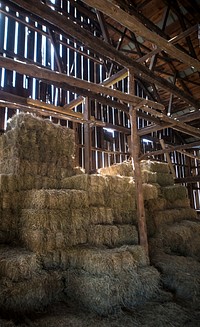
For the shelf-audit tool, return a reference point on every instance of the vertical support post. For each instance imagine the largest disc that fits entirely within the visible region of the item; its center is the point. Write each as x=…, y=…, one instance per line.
x=87, y=137
x=135, y=149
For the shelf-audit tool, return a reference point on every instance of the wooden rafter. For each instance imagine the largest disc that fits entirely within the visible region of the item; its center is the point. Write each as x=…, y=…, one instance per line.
x=102, y=48
x=109, y=8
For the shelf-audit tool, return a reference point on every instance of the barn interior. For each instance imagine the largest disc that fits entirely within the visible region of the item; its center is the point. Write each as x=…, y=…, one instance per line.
x=99, y=165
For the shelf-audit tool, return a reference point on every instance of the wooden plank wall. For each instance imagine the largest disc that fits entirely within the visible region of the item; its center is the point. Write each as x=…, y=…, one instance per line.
x=25, y=39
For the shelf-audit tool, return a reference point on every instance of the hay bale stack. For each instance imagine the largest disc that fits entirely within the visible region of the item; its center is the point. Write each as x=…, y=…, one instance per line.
x=175, y=192
x=34, y=147
x=17, y=264
x=30, y=295
x=122, y=169
x=106, y=294
x=154, y=166
x=182, y=238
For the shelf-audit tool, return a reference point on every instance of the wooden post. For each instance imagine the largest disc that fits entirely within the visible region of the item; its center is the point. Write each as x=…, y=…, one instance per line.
x=142, y=229
x=87, y=137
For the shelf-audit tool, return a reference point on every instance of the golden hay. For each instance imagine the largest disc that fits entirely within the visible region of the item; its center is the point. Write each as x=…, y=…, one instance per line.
x=54, y=199
x=123, y=169
x=164, y=179
x=31, y=294
x=125, y=216
x=150, y=191
x=148, y=176
x=173, y=193
x=154, y=166
x=17, y=263
x=174, y=215
x=99, y=235
x=101, y=215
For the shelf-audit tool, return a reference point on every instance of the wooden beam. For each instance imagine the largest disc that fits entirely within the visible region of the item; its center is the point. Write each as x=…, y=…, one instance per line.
x=102, y=48
x=188, y=180
x=87, y=137
x=79, y=86
x=110, y=8
x=170, y=149
x=107, y=82
x=142, y=229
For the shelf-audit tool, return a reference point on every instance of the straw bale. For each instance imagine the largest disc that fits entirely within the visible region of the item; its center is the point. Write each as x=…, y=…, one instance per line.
x=8, y=220
x=101, y=215
x=44, y=219
x=159, y=204
x=175, y=192
x=32, y=239
x=148, y=176
x=183, y=238
x=123, y=169
x=54, y=199
x=121, y=184
x=139, y=286
x=121, y=202
x=164, y=179
x=179, y=203
x=181, y=275
x=96, y=199
x=98, y=261
x=125, y=216
x=150, y=191
x=173, y=215
x=17, y=263
x=154, y=166
x=10, y=200
x=127, y=234
x=102, y=235
x=99, y=294
x=8, y=183
x=30, y=295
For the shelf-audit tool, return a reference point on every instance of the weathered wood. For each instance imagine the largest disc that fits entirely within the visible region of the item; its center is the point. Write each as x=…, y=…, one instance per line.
x=101, y=47
x=170, y=149
x=162, y=143
x=64, y=81
x=110, y=8
x=108, y=82
x=142, y=229
x=87, y=137
x=190, y=179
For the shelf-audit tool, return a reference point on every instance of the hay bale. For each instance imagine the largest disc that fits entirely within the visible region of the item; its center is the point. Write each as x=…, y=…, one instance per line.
x=125, y=216
x=150, y=191
x=164, y=179
x=180, y=275
x=175, y=192
x=98, y=294
x=170, y=216
x=122, y=169
x=154, y=166
x=99, y=235
x=30, y=295
x=127, y=234
x=17, y=263
x=121, y=202
x=148, y=176
x=54, y=199
x=139, y=286
x=101, y=215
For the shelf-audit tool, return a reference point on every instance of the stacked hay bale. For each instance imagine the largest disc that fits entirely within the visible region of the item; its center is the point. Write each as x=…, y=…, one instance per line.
x=24, y=285
x=36, y=153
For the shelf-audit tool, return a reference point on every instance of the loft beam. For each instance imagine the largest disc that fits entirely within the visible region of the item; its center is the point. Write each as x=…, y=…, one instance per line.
x=101, y=47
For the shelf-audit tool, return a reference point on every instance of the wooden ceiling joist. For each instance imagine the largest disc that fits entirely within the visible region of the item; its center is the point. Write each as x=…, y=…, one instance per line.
x=102, y=48
x=110, y=8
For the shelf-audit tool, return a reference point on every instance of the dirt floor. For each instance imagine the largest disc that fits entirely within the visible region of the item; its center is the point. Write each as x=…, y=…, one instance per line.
x=166, y=314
